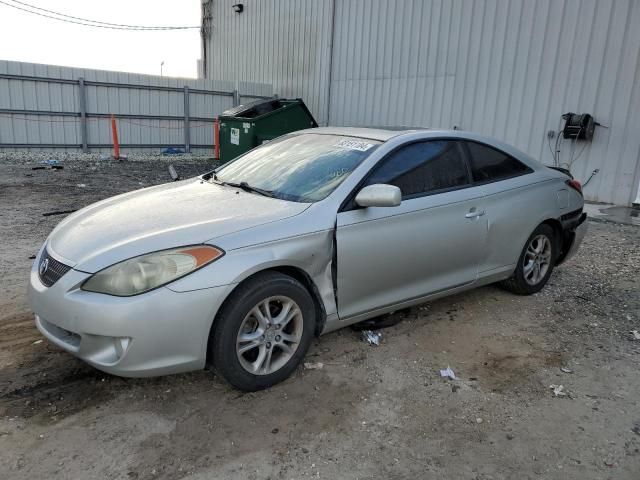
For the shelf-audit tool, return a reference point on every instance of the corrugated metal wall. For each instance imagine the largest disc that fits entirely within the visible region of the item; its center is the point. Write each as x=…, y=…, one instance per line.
x=130, y=105
x=286, y=41
x=505, y=68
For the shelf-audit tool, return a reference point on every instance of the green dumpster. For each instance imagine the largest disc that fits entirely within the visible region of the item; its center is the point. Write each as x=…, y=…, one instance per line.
x=247, y=126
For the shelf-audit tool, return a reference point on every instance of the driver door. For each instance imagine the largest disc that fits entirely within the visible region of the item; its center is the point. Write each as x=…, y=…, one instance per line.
x=433, y=241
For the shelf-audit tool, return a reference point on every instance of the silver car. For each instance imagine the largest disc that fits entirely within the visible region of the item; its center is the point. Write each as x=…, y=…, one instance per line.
x=239, y=268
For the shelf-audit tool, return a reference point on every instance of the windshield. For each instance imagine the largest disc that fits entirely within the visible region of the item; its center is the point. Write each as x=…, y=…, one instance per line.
x=300, y=168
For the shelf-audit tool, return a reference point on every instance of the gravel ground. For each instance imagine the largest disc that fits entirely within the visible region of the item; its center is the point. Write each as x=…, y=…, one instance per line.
x=370, y=412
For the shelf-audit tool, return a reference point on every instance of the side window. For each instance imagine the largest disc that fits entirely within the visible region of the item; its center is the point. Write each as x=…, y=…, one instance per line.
x=420, y=168
x=490, y=165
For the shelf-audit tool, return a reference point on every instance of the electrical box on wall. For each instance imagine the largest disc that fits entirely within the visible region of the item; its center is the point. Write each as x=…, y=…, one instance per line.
x=578, y=126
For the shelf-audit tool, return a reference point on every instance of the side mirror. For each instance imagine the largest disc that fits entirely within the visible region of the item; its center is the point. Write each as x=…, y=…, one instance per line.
x=379, y=195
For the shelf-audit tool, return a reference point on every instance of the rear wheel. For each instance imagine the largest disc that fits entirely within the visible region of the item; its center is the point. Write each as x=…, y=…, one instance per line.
x=536, y=262
x=263, y=331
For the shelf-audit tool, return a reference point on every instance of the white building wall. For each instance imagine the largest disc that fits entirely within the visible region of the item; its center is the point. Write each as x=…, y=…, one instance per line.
x=505, y=68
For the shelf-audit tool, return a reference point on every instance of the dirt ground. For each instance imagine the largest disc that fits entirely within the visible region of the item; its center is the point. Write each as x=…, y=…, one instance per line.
x=370, y=412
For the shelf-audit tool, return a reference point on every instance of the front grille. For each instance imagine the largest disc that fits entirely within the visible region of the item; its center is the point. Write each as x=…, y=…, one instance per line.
x=53, y=271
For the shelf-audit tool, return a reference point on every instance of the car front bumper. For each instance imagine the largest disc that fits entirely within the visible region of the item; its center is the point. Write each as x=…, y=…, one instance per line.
x=156, y=333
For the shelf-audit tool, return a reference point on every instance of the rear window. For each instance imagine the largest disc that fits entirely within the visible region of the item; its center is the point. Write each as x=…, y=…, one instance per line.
x=491, y=165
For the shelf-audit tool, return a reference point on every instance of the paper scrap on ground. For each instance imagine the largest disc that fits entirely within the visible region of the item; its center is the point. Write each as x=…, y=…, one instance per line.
x=313, y=366
x=447, y=372
x=558, y=390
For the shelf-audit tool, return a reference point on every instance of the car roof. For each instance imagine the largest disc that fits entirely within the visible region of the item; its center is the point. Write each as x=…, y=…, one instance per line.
x=381, y=134
x=387, y=133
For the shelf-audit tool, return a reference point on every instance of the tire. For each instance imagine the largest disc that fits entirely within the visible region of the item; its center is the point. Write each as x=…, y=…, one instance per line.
x=254, y=350
x=524, y=280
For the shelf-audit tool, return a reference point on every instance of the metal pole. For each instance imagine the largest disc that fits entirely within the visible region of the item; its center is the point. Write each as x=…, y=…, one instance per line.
x=83, y=115
x=330, y=69
x=236, y=98
x=187, y=133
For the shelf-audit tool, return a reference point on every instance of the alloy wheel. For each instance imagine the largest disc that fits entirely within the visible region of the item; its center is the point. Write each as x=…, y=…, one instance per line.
x=269, y=335
x=537, y=259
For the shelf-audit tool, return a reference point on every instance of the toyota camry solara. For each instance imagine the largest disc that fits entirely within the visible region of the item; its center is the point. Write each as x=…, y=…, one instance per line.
x=239, y=268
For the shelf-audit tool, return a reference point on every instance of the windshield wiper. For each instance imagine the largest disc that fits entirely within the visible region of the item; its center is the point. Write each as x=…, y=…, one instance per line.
x=248, y=188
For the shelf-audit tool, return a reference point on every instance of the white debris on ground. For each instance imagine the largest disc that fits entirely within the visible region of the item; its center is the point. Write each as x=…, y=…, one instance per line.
x=313, y=366
x=558, y=390
x=447, y=372
x=372, y=337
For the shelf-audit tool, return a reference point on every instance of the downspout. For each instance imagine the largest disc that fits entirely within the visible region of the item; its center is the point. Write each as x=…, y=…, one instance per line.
x=205, y=35
x=330, y=69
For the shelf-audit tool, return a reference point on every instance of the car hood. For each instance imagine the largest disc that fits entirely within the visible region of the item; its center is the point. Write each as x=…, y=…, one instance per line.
x=156, y=218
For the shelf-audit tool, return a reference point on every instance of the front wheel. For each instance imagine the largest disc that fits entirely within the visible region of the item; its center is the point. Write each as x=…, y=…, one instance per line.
x=263, y=331
x=535, y=264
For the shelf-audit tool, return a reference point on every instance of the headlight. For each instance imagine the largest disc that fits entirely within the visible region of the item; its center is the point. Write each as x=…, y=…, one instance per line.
x=146, y=272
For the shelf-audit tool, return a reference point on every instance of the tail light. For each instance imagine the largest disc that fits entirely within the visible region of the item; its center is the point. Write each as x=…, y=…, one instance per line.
x=575, y=184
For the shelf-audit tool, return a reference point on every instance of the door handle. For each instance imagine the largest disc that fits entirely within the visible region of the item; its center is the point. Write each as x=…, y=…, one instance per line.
x=473, y=213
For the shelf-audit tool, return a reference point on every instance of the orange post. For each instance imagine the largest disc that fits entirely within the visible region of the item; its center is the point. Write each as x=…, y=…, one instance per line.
x=114, y=132
x=216, y=139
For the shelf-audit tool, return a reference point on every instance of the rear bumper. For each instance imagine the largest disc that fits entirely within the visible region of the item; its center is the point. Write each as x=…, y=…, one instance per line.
x=573, y=238
x=156, y=333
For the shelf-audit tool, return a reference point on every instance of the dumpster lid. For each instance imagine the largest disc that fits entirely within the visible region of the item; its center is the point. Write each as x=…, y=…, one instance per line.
x=262, y=107
x=254, y=109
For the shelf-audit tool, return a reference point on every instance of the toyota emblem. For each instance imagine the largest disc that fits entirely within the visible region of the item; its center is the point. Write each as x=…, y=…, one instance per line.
x=44, y=266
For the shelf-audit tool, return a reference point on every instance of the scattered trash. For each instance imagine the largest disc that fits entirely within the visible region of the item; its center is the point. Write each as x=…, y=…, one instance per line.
x=372, y=337
x=32, y=257
x=58, y=212
x=172, y=151
x=103, y=157
x=38, y=168
x=558, y=390
x=566, y=370
x=275, y=430
x=174, y=175
x=37, y=342
x=447, y=372
x=51, y=162
x=81, y=185
x=383, y=321
x=57, y=167
x=609, y=464
x=635, y=334
x=479, y=420
x=313, y=366
x=123, y=157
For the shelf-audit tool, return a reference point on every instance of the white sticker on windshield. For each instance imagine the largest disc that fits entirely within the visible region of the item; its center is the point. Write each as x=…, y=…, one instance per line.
x=235, y=136
x=354, y=144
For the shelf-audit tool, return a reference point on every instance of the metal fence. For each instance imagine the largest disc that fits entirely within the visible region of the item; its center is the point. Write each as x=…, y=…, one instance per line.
x=44, y=107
